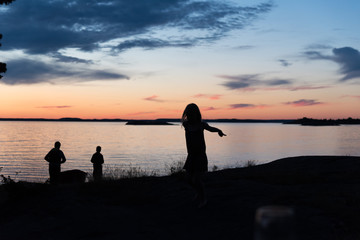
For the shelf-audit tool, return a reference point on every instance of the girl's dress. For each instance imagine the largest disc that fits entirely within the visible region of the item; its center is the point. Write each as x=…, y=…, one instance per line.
x=196, y=160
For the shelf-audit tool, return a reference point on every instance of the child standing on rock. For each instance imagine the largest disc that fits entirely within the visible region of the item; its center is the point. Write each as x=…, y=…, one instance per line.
x=196, y=162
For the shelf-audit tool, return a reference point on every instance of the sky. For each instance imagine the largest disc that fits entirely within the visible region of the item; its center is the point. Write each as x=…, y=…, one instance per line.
x=148, y=59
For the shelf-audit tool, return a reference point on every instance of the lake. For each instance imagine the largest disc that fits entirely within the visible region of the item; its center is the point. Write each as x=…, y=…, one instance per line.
x=24, y=144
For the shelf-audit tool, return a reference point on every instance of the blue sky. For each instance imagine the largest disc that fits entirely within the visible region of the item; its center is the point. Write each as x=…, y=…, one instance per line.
x=148, y=59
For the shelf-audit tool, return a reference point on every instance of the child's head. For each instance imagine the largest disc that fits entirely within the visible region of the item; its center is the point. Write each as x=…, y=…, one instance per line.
x=57, y=144
x=191, y=114
x=98, y=149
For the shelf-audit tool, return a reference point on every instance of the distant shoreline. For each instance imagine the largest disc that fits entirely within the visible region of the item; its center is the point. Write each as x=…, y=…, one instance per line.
x=152, y=120
x=303, y=121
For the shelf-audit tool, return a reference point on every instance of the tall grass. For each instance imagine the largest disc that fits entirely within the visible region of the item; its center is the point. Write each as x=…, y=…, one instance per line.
x=111, y=172
x=250, y=163
x=175, y=167
x=115, y=172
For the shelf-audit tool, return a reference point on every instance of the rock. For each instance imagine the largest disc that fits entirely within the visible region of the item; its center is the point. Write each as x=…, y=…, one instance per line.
x=73, y=176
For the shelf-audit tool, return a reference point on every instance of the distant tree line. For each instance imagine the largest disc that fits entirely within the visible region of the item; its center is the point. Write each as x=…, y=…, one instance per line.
x=3, y=65
x=324, y=122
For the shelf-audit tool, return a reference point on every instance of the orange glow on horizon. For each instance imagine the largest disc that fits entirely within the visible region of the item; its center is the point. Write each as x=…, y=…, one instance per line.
x=87, y=102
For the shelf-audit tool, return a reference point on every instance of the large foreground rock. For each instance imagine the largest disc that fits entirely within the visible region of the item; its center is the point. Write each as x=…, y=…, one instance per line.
x=324, y=192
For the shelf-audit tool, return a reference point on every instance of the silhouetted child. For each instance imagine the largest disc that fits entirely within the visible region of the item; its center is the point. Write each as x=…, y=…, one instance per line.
x=55, y=157
x=196, y=162
x=97, y=159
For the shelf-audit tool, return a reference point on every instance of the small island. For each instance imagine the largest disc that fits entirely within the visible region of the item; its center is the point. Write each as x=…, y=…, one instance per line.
x=147, y=122
x=323, y=122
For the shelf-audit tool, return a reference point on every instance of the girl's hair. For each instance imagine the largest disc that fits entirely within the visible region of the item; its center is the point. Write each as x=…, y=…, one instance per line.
x=191, y=114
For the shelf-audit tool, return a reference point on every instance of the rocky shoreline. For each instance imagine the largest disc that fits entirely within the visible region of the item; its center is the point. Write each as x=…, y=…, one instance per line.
x=324, y=192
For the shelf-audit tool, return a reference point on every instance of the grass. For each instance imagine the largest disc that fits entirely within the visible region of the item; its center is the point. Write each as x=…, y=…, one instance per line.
x=175, y=167
x=250, y=163
x=113, y=172
x=8, y=179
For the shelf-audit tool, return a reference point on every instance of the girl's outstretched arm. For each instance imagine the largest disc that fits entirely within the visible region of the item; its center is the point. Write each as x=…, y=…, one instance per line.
x=214, y=129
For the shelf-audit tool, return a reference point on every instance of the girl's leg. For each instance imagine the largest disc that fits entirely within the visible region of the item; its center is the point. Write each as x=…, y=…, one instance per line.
x=199, y=187
x=196, y=182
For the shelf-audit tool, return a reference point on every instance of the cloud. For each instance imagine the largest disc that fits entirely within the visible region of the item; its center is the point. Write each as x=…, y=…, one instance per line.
x=27, y=71
x=55, y=107
x=304, y=103
x=208, y=109
x=153, y=98
x=352, y=96
x=348, y=59
x=244, y=47
x=43, y=26
x=149, y=44
x=247, y=106
x=67, y=59
x=208, y=96
x=255, y=82
x=251, y=81
x=49, y=28
x=319, y=47
x=242, y=105
x=284, y=62
x=298, y=88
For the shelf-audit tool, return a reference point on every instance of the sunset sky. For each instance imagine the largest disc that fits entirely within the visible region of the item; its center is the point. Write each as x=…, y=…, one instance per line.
x=147, y=59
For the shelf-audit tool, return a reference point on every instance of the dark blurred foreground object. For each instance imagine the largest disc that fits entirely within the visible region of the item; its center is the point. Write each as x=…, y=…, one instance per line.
x=72, y=176
x=274, y=223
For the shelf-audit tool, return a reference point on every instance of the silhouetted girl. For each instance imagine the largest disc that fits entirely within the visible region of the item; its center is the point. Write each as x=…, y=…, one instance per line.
x=196, y=162
x=97, y=159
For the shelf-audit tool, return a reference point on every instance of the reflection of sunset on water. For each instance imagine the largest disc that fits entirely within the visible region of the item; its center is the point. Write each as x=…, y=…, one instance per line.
x=24, y=145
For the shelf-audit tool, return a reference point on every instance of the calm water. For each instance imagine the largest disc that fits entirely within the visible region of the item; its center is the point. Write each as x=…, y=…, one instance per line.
x=23, y=145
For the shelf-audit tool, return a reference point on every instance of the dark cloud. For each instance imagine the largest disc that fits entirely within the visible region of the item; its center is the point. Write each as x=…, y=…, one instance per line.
x=55, y=107
x=277, y=82
x=298, y=88
x=43, y=26
x=284, y=62
x=348, y=59
x=249, y=81
x=240, y=81
x=67, y=59
x=26, y=71
x=242, y=105
x=244, y=47
x=304, y=103
x=149, y=44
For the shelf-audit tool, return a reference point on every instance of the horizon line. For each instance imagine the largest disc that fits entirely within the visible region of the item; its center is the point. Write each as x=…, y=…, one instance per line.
x=129, y=119
x=158, y=119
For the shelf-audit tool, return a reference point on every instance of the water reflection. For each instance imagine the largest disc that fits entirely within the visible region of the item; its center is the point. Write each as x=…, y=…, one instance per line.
x=23, y=145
